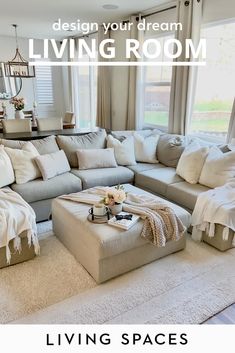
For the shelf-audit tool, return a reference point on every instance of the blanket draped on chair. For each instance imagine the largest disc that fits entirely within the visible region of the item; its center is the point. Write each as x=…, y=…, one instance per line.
x=16, y=216
x=160, y=221
x=215, y=206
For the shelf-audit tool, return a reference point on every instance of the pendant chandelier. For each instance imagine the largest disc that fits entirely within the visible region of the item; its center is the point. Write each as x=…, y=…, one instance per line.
x=18, y=66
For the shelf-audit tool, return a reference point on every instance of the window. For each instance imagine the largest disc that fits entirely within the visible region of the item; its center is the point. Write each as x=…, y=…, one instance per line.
x=157, y=88
x=44, y=85
x=215, y=88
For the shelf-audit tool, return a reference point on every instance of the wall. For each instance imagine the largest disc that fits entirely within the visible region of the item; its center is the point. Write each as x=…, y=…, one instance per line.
x=58, y=110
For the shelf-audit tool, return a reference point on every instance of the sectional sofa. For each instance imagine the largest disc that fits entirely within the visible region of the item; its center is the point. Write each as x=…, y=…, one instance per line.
x=158, y=178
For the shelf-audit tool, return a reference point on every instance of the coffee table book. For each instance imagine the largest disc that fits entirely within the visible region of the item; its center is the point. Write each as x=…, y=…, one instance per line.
x=124, y=223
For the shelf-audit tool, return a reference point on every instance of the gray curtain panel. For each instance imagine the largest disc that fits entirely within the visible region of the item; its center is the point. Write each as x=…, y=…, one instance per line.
x=231, y=128
x=131, y=123
x=104, y=113
x=189, y=13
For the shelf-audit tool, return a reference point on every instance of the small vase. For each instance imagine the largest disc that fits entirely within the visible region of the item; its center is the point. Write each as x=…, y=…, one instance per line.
x=19, y=114
x=115, y=209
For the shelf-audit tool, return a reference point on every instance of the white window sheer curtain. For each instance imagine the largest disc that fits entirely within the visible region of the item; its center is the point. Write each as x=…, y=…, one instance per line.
x=84, y=90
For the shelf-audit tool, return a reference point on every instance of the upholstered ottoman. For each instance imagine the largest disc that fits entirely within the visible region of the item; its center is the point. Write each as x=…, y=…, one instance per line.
x=27, y=253
x=103, y=250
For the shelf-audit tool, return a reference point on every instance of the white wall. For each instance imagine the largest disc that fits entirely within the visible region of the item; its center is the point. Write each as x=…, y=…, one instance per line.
x=7, y=53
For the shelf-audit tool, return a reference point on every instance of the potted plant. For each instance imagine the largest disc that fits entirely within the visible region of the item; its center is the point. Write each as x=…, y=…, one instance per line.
x=114, y=199
x=19, y=106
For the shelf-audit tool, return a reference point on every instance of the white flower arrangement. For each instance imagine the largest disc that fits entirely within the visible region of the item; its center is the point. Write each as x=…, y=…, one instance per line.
x=114, y=196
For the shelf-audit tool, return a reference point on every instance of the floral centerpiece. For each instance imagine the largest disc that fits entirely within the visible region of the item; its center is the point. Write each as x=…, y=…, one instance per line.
x=18, y=103
x=19, y=106
x=114, y=198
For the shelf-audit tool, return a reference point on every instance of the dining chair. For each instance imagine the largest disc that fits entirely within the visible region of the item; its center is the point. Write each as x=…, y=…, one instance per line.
x=69, y=118
x=49, y=124
x=16, y=125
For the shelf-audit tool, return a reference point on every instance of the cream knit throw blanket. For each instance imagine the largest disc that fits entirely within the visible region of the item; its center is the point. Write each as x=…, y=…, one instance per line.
x=160, y=221
x=16, y=216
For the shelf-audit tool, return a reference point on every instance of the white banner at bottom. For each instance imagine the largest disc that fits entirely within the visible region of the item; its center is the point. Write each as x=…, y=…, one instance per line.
x=114, y=338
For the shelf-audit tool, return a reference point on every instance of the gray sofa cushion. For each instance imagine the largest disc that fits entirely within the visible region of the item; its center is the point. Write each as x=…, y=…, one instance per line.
x=46, y=145
x=42, y=190
x=169, y=149
x=157, y=180
x=104, y=176
x=70, y=144
x=185, y=194
x=141, y=167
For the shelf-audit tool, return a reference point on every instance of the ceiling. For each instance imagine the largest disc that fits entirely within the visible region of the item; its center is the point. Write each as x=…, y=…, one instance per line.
x=35, y=17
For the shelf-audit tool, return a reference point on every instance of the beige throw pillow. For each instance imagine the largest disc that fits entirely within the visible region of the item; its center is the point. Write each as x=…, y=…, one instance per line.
x=52, y=164
x=96, y=158
x=218, y=169
x=24, y=166
x=146, y=148
x=7, y=176
x=124, y=150
x=191, y=162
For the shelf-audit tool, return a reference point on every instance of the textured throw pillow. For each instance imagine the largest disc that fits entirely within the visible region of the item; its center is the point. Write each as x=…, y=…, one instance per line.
x=146, y=148
x=97, y=158
x=169, y=149
x=70, y=144
x=124, y=150
x=46, y=145
x=191, y=162
x=53, y=164
x=24, y=166
x=7, y=176
x=218, y=169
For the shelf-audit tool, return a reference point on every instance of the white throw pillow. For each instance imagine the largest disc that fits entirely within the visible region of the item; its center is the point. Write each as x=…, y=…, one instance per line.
x=24, y=166
x=52, y=164
x=146, y=148
x=96, y=158
x=218, y=169
x=191, y=162
x=124, y=150
x=7, y=176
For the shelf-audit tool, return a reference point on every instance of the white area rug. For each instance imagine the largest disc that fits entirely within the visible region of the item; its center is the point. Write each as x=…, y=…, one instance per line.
x=185, y=288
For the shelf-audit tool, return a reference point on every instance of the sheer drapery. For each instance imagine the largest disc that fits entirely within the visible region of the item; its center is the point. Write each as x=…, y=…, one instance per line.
x=184, y=77
x=83, y=80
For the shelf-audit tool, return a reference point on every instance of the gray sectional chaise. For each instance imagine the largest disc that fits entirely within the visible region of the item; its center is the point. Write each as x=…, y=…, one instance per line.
x=160, y=179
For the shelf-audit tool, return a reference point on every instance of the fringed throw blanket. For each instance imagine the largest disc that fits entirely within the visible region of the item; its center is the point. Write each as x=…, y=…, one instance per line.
x=216, y=206
x=160, y=222
x=16, y=216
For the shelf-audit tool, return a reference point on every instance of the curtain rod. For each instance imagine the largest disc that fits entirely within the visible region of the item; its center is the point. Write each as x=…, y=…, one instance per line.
x=155, y=12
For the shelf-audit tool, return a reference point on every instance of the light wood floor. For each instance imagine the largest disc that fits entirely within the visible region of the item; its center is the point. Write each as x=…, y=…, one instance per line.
x=225, y=317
